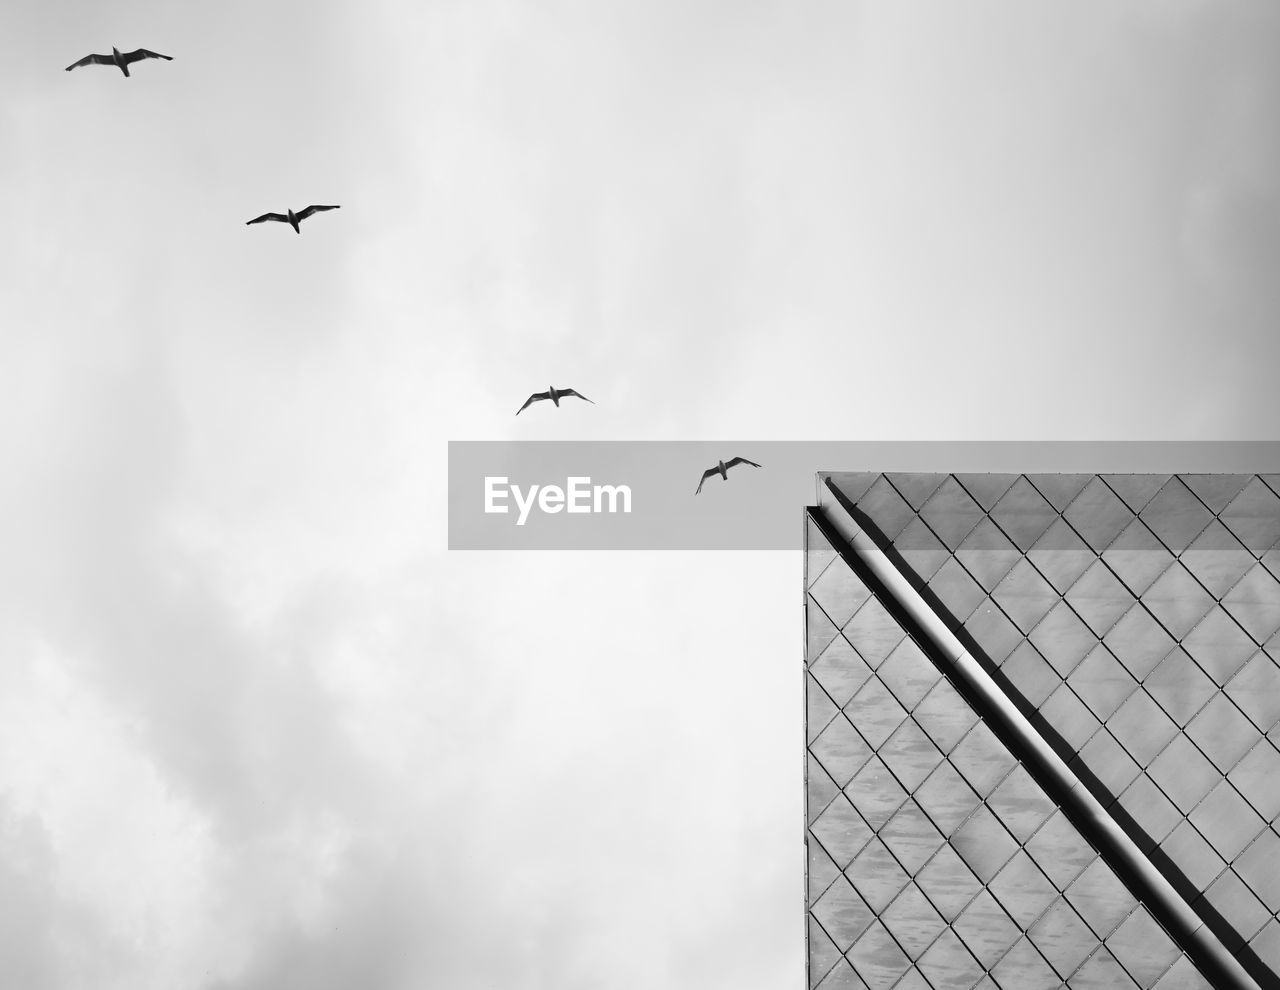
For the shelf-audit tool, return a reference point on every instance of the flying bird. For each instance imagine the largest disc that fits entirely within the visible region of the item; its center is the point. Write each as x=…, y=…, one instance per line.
x=121, y=60
x=722, y=469
x=552, y=393
x=292, y=219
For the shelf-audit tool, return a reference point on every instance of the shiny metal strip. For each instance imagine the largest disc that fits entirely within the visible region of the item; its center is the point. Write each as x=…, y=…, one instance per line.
x=1084, y=810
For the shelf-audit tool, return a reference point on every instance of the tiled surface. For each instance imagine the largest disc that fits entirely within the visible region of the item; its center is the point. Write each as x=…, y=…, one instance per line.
x=935, y=859
x=1138, y=618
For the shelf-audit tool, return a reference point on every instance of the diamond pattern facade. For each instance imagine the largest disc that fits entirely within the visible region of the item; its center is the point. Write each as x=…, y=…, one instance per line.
x=1136, y=620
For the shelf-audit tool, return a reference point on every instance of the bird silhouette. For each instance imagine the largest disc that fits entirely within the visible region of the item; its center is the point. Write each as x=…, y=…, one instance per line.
x=121, y=60
x=552, y=393
x=292, y=219
x=722, y=469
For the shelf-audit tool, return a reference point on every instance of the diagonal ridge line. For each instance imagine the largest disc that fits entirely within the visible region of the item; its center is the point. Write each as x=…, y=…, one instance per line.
x=853, y=541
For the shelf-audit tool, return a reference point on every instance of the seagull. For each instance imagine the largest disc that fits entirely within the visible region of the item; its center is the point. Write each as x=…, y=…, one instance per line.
x=552, y=393
x=119, y=59
x=293, y=219
x=722, y=469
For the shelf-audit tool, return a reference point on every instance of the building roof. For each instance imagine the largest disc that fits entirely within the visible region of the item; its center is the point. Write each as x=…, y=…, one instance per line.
x=1134, y=620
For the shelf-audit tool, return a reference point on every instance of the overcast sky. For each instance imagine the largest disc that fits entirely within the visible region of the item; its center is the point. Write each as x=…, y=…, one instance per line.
x=258, y=727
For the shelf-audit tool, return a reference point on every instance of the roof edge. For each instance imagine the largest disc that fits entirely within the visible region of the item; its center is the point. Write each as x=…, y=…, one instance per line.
x=850, y=532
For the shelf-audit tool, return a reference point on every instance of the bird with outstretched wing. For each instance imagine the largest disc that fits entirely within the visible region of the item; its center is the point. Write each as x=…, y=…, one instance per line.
x=722, y=469
x=121, y=60
x=555, y=395
x=291, y=218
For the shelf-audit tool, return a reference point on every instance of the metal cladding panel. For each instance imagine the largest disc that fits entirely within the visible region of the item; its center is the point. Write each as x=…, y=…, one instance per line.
x=1136, y=620
x=934, y=858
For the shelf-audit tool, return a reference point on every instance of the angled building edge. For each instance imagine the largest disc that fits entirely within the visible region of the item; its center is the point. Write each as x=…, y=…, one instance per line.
x=1037, y=731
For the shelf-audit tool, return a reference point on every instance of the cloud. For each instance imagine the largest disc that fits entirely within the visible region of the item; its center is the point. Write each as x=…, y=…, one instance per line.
x=28, y=928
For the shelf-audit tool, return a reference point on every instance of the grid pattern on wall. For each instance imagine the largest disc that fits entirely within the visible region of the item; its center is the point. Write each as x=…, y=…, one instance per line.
x=935, y=860
x=1136, y=618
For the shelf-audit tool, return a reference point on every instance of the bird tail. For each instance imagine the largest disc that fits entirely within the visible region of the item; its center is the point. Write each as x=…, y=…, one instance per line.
x=125, y=70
